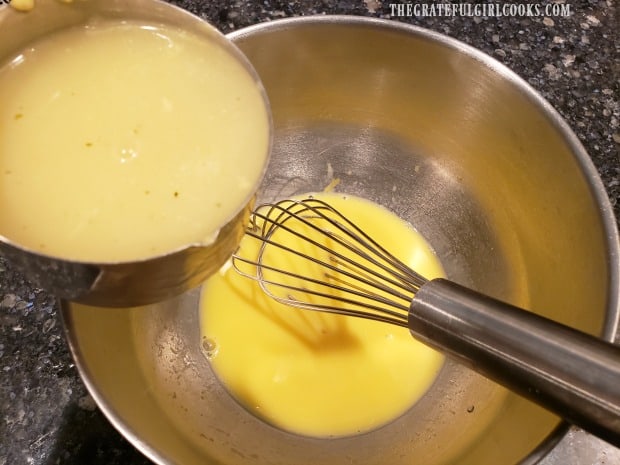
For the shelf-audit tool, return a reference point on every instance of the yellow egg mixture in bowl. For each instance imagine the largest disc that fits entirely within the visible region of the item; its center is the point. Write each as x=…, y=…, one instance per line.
x=405, y=129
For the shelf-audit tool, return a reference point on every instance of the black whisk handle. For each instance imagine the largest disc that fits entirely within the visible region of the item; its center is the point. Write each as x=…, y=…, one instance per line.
x=573, y=374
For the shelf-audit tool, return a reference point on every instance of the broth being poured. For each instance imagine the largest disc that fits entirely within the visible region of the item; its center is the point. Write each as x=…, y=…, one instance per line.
x=312, y=373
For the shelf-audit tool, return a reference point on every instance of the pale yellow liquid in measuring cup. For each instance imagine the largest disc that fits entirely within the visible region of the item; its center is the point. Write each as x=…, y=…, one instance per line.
x=120, y=141
x=313, y=373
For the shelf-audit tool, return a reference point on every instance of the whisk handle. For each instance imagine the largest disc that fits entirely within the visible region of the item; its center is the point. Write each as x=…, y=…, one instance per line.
x=573, y=374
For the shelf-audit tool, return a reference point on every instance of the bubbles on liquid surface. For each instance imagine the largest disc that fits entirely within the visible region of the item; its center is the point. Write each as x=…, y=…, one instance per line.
x=209, y=347
x=127, y=154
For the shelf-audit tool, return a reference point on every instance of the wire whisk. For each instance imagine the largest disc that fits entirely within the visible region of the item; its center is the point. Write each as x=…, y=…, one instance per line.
x=306, y=254
x=356, y=275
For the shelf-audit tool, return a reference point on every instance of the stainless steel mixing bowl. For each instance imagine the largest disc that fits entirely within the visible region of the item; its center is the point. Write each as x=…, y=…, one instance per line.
x=120, y=283
x=451, y=141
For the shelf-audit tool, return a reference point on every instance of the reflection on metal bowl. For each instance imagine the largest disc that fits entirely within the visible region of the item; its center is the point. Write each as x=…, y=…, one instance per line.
x=452, y=142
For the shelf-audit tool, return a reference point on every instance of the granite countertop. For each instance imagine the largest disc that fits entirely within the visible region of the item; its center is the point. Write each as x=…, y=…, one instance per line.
x=48, y=416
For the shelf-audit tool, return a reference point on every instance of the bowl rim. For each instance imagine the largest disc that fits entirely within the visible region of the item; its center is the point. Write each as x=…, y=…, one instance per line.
x=585, y=163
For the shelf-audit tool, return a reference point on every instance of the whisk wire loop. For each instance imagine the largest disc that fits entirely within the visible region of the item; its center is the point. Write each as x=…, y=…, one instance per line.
x=407, y=278
x=373, y=284
x=350, y=288
x=355, y=233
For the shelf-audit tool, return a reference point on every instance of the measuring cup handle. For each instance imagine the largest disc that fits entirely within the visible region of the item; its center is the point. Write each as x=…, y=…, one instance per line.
x=573, y=374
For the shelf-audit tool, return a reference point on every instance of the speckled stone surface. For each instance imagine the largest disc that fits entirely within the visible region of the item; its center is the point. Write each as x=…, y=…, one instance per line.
x=47, y=416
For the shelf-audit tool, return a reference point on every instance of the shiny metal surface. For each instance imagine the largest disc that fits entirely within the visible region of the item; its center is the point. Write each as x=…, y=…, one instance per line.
x=564, y=370
x=118, y=284
x=452, y=142
x=336, y=267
